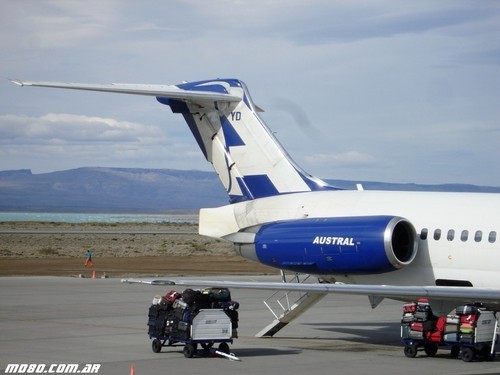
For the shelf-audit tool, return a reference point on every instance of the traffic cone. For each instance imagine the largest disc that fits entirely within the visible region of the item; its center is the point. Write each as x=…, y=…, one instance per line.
x=132, y=369
x=93, y=274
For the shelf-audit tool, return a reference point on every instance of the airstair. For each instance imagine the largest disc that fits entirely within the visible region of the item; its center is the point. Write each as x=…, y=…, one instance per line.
x=288, y=306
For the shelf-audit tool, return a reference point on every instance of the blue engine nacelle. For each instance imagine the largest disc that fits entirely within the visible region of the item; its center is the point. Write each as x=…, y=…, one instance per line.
x=344, y=245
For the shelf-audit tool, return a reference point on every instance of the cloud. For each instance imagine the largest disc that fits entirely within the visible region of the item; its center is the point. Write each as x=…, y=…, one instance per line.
x=366, y=89
x=65, y=128
x=60, y=141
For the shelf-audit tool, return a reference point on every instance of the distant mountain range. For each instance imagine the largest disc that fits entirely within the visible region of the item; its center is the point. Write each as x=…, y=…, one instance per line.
x=133, y=190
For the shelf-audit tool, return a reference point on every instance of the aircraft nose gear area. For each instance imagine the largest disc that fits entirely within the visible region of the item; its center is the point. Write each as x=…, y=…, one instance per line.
x=470, y=332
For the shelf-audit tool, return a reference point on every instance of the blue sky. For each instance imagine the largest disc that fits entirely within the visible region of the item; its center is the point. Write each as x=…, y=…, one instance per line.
x=395, y=91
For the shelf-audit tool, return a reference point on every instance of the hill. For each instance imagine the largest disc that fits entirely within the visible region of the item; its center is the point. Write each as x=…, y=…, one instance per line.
x=127, y=190
x=113, y=190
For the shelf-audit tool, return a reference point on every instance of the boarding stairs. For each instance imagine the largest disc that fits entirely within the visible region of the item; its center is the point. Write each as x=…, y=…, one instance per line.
x=288, y=306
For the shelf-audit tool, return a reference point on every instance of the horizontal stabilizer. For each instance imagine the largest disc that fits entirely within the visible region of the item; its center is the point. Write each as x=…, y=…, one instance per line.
x=166, y=91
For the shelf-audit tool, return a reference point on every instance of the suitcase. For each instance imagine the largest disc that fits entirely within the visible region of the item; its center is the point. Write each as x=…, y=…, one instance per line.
x=189, y=295
x=153, y=311
x=219, y=294
x=468, y=319
x=418, y=335
x=180, y=304
x=172, y=296
x=417, y=326
x=410, y=307
x=441, y=324
x=451, y=337
x=228, y=305
x=467, y=338
x=183, y=326
x=423, y=306
x=451, y=328
x=435, y=336
x=452, y=319
x=158, y=299
x=466, y=328
x=187, y=316
x=422, y=316
x=407, y=318
x=156, y=326
x=466, y=310
x=405, y=331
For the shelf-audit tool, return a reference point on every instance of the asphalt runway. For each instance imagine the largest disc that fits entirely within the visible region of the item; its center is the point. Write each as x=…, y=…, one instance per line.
x=56, y=320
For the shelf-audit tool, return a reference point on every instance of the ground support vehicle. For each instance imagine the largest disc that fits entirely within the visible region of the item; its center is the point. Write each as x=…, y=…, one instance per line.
x=470, y=332
x=208, y=327
x=194, y=319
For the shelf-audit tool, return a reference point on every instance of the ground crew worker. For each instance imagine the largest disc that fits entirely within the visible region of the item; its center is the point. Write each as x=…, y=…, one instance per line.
x=88, y=259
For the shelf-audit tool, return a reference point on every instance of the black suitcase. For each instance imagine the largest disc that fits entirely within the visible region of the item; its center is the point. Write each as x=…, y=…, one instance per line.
x=467, y=338
x=190, y=295
x=466, y=310
x=219, y=294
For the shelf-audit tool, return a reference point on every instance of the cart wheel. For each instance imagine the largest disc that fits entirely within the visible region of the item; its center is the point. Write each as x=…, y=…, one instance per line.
x=189, y=351
x=430, y=349
x=156, y=345
x=410, y=351
x=207, y=345
x=467, y=354
x=224, y=347
x=455, y=351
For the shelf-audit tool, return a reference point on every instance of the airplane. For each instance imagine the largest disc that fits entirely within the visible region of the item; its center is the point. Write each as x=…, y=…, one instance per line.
x=383, y=244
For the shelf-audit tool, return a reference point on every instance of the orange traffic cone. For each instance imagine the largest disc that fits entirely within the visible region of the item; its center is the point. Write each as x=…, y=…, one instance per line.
x=93, y=274
x=132, y=370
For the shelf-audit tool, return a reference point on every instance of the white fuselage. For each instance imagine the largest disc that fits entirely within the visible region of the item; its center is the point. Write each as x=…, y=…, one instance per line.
x=468, y=248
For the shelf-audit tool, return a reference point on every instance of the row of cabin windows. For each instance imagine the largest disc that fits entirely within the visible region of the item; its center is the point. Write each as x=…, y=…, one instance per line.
x=464, y=235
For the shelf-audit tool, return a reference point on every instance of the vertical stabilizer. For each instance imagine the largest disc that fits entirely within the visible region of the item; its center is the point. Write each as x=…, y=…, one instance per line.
x=245, y=154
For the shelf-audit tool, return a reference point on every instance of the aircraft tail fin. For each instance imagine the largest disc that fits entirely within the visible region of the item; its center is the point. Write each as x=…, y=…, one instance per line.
x=245, y=154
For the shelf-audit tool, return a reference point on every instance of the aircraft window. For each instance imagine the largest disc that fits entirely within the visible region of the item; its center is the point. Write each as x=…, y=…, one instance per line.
x=492, y=237
x=465, y=235
x=437, y=234
x=423, y=234
x=478, y=236
x=451, y=235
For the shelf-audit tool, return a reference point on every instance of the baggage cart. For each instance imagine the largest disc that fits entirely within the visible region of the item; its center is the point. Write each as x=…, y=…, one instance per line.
x=208, y=327
x=198, y=324
x=474, y=336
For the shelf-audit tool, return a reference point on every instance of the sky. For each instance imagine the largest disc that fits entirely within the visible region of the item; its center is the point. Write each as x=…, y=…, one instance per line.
x=391, y=90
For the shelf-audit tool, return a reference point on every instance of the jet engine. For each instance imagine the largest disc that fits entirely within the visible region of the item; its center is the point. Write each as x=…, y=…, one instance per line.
x=341, y=245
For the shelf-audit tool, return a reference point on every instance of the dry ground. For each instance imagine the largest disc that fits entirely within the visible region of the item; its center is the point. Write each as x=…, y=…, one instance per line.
x=119, y=250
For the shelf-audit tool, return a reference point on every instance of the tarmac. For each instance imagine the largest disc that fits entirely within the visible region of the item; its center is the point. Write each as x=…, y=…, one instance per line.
x=63, y=320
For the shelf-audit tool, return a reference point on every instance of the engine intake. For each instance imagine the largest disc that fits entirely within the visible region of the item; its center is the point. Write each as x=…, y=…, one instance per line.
x=346, y=245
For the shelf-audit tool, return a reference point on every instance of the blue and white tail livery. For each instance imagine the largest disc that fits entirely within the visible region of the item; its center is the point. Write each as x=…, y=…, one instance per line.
x=444, y=246
x=245, y=154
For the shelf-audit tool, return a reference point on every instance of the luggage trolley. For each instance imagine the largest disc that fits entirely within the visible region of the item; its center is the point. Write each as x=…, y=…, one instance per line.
x=208, y=327
x=178, y=322
x=469, y=331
